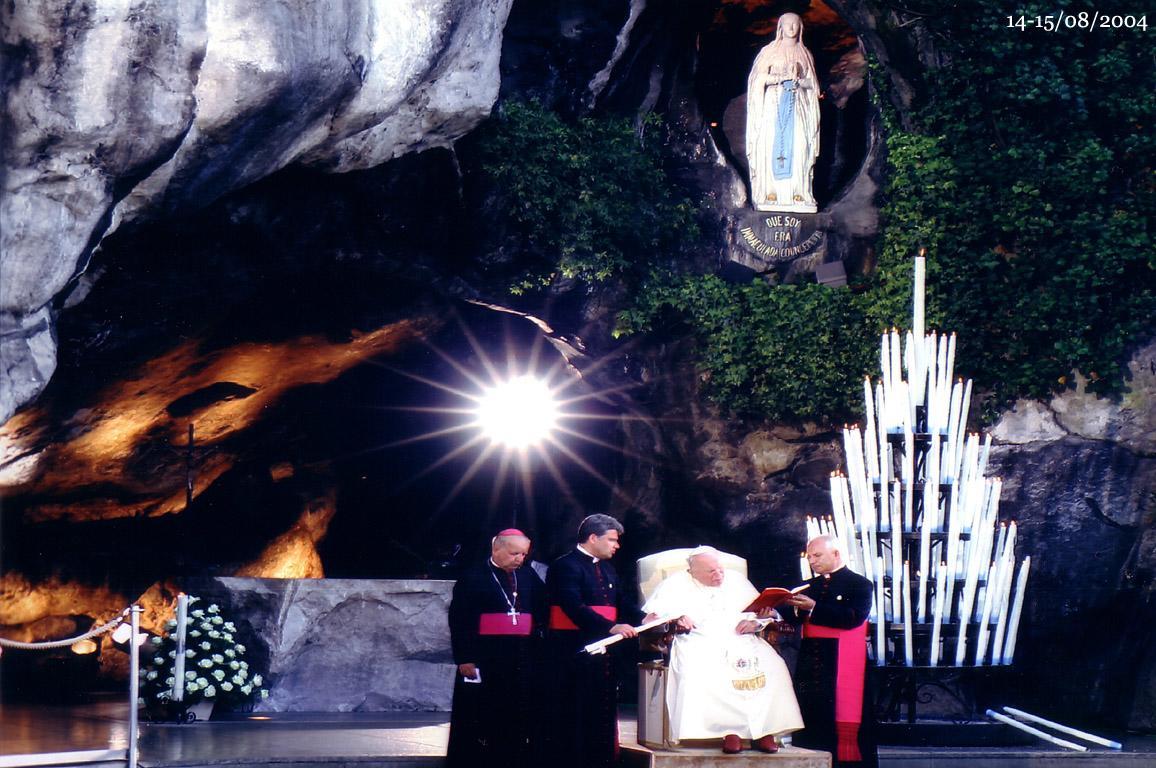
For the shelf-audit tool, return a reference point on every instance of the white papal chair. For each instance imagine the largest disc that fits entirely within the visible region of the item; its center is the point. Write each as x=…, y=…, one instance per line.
x=653, y=719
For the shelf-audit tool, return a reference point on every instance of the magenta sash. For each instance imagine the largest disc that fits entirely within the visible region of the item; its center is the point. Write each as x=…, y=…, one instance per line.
x=559, y=619
x=850, y=672
x=500, y=624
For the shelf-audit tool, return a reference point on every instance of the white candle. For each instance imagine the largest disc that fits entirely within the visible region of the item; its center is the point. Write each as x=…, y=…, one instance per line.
x=896, y=367
x=805, y=567
x=869, y=550
x=178, y=692
x=880, y=618
x=989, y=597
x=885, y=468
x=885, y=371
x=944, y=387
x=964, y=407
x=908, y=650
x=869, y=436
x=984, y=453
x=952, y=422
x=918, y=299
x=1035, y=731
x=909, y=366
x=930, y=508
x=937, y=615
x=1009, y=648
x=1002, y=609
x=1064, y=729
x=896, y=564
x=908, y=479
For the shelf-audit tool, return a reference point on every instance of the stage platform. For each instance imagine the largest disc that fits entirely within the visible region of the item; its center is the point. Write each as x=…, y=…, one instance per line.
x=99, y=730
x=634, y=755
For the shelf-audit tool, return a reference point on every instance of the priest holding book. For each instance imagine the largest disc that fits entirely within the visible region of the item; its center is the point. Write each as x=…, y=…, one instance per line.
x=830, y=675
x=725, y=680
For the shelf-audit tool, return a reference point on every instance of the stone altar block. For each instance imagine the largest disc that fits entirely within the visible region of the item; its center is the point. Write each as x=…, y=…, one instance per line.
x=344, y=645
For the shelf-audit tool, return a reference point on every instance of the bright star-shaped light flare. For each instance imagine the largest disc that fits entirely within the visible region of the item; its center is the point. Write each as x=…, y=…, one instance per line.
x=519, y=413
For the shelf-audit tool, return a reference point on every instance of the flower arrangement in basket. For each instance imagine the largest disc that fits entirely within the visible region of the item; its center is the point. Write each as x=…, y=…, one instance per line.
x=213, y=668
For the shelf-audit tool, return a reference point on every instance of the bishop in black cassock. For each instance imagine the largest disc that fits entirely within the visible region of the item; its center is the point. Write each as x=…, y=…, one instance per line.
x=497, y=616
x=584, y=596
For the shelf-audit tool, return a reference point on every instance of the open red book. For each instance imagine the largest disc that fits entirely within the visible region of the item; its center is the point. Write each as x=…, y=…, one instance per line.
x=773, y=597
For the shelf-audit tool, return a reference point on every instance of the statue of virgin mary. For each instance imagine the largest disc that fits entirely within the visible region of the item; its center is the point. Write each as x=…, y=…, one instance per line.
x=783, y=122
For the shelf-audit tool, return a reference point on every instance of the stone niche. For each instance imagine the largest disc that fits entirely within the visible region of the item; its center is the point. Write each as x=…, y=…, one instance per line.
x=844, y=185
x=343, y=645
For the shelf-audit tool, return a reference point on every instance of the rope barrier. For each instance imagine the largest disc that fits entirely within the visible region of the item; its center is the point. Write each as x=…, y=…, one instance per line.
x=113, y=623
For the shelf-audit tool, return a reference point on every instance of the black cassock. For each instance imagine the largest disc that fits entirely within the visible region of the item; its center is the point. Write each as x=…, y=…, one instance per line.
x=584, y=605
x=495, y=721
x=842, y=605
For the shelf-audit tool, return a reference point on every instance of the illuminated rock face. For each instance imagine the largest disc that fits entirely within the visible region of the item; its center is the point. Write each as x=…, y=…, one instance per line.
x=114, y=115
x=346, y=645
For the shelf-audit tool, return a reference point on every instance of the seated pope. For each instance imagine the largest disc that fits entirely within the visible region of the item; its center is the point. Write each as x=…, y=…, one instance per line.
x=724, y=680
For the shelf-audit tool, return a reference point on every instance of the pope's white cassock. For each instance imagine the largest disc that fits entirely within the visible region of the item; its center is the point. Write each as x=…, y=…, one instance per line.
x=721, y=682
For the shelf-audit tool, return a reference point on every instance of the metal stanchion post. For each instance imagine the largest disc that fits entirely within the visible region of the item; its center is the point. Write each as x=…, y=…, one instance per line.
x=133, y=686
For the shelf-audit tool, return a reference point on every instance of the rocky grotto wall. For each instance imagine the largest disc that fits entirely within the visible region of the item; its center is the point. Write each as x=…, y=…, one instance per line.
x=256, y=226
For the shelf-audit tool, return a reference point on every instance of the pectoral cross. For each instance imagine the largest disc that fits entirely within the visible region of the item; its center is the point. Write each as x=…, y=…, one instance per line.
x=513, y=614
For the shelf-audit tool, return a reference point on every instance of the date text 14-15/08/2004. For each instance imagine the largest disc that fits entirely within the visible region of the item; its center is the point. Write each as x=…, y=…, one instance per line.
x=1083, y=20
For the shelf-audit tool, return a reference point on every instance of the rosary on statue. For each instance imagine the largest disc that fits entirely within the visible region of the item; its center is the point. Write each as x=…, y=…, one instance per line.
x=785, y=117
x=513, y=612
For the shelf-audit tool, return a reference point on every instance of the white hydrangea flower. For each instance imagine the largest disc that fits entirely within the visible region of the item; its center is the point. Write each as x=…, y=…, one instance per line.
x=190, y=653
x=210, y=692
x=156, y=640
x=256, y=679
x=228, y=636
x=205, y=663
x=264, y=694
x=244, y=665
x=246, y=689
x=206, y=645
x=194, y=633
x=192, y=688
x=202, y=682
x=226, y=686
x=197, y=613
x=243, y=673
x=190, y=675
x=206, y=625
x=172, y=654
x=240, y=648
x=218, y=620
x=219, y=674
x=158, y=660
x=217, y=658
x=230, y=626
x=214, y=634
x=230, y=652
x=238, y=680
x=214, y=608
x=234, y=665
x=152, y=675
x=169, y=681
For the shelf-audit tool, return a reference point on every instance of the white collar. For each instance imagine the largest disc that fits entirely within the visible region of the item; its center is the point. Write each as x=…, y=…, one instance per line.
x=592, y=557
